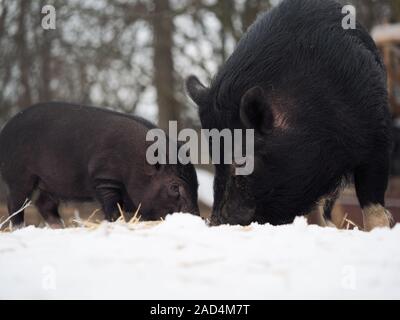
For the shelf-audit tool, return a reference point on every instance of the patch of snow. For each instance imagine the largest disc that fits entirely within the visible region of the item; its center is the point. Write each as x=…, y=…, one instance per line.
x=206, y=193
x=182, y=258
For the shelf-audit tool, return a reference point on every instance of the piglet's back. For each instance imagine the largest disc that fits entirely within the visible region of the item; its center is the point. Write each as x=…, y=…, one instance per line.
x=62, y=124
x=68, y=134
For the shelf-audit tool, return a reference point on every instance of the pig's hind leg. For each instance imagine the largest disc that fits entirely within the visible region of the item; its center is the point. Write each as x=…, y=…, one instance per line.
x=19, y=192
x=48, y=208
x=15, y=202
x=371, y=182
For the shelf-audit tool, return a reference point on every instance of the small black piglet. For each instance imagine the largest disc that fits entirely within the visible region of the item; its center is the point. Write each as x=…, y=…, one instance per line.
x=74, y=152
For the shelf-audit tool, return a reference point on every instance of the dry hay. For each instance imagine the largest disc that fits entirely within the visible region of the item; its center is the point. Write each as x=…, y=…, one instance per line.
x=133, y=223
x=8, y=227
x=347, y=224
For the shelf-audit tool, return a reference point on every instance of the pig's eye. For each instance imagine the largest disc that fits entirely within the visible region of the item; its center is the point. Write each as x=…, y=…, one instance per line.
x=174, y=190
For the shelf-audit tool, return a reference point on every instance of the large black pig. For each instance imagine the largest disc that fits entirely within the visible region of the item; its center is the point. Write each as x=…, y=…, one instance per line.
x=81, y=153
x=315, y=94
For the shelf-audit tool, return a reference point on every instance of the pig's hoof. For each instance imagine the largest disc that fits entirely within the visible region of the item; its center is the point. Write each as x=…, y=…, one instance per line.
x=376, y=216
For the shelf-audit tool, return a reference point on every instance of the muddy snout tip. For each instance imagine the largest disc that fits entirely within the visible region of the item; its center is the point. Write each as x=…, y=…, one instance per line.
x=213, y=221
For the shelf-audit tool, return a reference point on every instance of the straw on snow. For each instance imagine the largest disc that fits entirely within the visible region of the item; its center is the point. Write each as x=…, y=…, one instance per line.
x=348, y=223
x=133, y=222
x=136, y=219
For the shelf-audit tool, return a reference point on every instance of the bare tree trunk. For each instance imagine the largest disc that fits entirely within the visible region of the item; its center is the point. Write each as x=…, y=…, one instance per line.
x=25, y=99
x=45, y=43
x=44, y=89
x=164, y=80
x=395, y=4
x=4, y=11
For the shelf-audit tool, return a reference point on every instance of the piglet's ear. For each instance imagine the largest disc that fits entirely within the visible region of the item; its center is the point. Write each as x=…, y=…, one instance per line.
x=196, y=90
x=152, y=166
x=255, y=111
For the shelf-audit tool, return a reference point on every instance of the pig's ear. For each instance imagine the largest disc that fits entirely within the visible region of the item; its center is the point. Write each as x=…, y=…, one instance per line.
x=196, y=90
x=151, y=169
x=255, y=112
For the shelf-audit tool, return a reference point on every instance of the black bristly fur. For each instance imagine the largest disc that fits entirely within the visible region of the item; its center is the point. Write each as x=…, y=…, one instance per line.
x=326, y=88
x=74, y=152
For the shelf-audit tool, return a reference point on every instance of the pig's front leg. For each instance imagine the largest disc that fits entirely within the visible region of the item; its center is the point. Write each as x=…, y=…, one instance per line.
x=109, y=196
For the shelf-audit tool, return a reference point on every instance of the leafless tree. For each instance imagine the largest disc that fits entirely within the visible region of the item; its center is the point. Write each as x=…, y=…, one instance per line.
x=127, y=54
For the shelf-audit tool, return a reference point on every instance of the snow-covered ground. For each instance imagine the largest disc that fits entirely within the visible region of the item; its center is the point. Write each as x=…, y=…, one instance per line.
x=205, y=191
x=182, y=258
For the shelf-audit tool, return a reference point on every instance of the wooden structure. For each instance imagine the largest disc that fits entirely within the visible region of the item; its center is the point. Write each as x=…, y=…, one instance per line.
x=387, y=38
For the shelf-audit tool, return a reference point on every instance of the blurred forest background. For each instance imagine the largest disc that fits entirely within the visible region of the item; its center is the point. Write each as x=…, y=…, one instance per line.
x=133, y=55
x=130, y=55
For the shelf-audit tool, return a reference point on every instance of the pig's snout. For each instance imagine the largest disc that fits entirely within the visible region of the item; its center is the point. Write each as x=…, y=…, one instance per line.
x=232, y=216
x=215, y=220
x=191, y=209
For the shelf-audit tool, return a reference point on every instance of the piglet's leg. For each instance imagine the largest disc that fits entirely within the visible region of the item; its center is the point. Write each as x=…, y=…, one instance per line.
x=109, y=197
x=15, y=202
x=128, y=206
x=20, y=191
x=48, y=208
